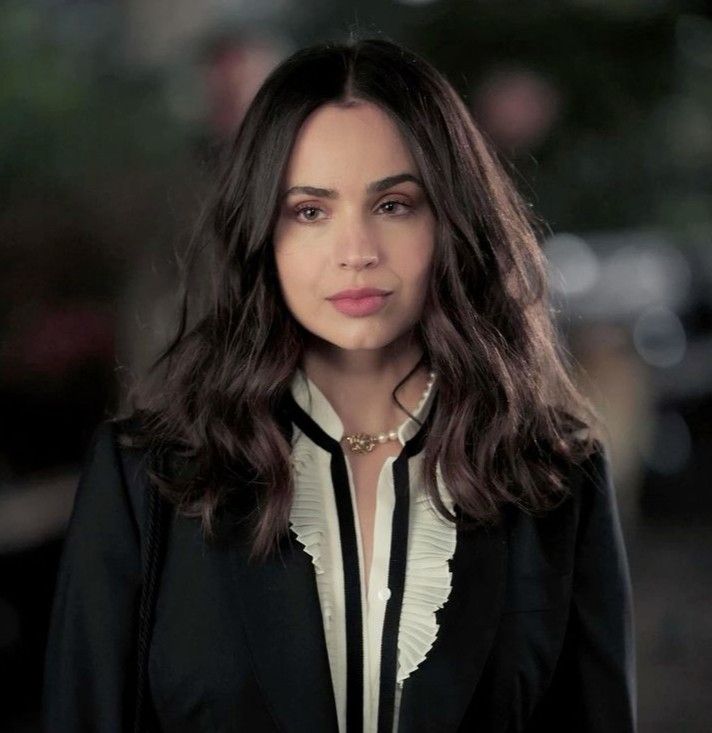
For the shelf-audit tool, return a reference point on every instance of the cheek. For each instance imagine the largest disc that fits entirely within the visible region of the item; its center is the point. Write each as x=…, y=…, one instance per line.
x=415, y=262
x=416, y=243
x=297, y=273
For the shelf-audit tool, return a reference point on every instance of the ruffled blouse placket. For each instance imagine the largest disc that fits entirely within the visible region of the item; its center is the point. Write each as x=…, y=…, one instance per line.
x=431, y=546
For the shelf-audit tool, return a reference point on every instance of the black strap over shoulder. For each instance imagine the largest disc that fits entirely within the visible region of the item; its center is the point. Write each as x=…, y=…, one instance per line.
x=156, y=520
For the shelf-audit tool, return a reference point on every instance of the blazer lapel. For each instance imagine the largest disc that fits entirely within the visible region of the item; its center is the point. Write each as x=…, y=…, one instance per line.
x=280, y=608
x=436, y=695
x=279, y=603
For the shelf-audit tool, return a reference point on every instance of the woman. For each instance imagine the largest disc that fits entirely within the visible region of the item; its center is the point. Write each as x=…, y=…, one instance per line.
x=458, y=562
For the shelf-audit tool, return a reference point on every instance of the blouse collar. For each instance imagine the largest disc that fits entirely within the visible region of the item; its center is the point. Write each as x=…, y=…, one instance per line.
x=320, y=410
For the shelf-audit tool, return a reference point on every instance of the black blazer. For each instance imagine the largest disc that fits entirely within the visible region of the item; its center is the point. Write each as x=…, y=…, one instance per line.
x=537, y=634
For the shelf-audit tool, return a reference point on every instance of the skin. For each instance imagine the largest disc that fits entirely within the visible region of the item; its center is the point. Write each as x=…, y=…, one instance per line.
x=356, y=238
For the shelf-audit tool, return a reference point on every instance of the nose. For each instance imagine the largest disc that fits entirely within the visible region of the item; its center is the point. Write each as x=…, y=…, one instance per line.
x=356, y=261
x=357, y=247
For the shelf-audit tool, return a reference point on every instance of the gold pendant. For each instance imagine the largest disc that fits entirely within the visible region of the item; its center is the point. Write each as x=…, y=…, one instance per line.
x=361, y=443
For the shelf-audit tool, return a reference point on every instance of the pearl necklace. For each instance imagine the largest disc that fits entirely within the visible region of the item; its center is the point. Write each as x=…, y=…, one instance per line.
x=364, y=443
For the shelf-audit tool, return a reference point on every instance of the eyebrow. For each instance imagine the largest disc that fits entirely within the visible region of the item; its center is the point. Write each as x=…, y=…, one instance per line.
x=373, y=187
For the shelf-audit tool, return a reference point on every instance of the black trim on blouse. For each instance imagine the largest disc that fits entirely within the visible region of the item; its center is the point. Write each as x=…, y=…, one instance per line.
x=352, y=584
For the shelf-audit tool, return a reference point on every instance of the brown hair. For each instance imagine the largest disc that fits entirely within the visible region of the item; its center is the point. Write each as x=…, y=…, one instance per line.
x=508, y=416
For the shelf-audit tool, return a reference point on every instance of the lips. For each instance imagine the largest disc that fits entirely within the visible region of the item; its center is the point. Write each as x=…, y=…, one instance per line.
x=364, y=306
x=357, y=293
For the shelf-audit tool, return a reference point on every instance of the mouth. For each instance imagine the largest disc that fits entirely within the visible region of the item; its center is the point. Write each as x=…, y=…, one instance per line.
x=362, y=306
x=352, y=293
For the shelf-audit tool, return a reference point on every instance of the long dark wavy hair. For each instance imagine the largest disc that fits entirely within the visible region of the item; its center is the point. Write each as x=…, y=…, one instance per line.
x=508, y=417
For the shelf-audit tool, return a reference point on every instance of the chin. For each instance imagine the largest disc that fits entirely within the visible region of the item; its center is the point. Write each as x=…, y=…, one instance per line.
x=364, y=336
x=368, y=341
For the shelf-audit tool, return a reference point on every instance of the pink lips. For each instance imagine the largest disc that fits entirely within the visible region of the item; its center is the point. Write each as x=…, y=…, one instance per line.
x=359, y=301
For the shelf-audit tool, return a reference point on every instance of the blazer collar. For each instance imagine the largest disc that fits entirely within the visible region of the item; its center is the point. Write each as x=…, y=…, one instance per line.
x=280, y=610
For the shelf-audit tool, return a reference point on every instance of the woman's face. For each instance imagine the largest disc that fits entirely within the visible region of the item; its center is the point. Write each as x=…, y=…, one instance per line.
x=353, y=215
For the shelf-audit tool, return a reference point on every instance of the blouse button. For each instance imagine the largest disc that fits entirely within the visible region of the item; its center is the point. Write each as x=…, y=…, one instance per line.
x=384, y=594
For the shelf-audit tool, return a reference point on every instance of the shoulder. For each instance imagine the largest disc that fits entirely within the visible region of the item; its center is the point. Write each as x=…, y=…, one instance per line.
x=599, y=531
x=590, y=481
x=547, y=541
x=106, y=522
x=114, y=476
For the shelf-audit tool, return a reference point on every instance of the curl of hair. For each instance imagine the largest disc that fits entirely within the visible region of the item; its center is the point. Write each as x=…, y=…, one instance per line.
x=509, y=418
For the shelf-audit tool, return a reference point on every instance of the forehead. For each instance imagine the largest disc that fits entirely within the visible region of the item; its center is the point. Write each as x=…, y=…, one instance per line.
x=359, y=143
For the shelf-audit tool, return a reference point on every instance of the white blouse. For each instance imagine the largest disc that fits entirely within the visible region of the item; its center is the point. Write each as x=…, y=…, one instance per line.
x=420, y=580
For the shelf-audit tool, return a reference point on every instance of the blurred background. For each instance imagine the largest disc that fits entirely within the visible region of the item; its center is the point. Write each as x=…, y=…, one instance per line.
x=111, y=114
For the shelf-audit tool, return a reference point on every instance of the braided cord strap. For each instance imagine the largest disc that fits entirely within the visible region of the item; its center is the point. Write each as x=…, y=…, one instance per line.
x=155, y=533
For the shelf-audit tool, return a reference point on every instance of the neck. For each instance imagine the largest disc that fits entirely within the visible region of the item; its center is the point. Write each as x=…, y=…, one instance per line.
x=359, y=383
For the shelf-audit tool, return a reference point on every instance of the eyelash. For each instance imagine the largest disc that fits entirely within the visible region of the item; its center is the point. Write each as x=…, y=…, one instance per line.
x=307, y=207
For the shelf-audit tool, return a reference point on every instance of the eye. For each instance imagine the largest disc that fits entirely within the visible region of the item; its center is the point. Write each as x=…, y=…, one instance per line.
x=308, y=208
x=405, y=207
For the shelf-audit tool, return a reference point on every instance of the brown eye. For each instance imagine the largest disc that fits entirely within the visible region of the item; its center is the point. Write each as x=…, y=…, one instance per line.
x=404, y=207
x=310, y=209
